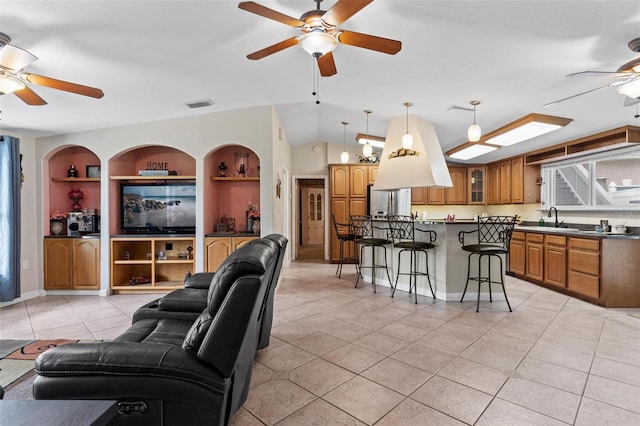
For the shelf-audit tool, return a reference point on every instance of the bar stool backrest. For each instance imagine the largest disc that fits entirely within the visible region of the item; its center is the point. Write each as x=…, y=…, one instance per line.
x=362, y=226
x=496, y=230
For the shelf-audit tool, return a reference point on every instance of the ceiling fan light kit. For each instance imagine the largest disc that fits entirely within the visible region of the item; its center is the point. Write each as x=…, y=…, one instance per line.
x=9, y=84
x=631, y=89
x=13, y=78
x=320, y=33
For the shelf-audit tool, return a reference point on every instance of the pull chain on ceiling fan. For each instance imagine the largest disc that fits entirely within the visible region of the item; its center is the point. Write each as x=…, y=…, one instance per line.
x=321, y=34
x=13, y=79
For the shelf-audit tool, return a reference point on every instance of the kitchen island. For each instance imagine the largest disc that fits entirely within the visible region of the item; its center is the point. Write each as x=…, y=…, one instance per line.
x=447, y=263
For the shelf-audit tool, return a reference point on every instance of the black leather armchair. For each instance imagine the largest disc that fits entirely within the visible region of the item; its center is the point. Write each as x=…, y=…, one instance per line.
x=187, y=303
x=168, y=371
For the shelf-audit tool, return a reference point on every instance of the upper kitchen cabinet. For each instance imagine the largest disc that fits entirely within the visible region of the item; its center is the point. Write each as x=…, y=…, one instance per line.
x=358, y=180
x=512, y=182
x=457, y=194
x=339, y=175
x=476, y=185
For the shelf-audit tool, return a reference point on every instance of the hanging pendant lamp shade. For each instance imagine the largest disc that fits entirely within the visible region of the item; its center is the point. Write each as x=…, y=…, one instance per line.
x=407, y=138
x=344, y=157
x=475, y=132
x=367, y=149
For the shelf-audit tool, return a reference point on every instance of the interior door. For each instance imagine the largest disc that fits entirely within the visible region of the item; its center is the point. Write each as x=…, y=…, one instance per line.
x=313, y=216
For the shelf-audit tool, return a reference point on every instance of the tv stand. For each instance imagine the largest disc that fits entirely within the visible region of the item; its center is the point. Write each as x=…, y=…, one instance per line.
x=150, y=263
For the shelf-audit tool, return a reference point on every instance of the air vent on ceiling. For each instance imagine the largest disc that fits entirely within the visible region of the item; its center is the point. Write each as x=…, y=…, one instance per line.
x=200, y=104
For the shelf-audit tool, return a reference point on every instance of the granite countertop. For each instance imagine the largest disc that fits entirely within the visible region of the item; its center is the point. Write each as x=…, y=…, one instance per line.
x=576, y=232
x=232, y=234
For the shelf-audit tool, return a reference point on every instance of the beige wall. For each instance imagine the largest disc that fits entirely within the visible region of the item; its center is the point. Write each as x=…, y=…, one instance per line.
x=30, y=254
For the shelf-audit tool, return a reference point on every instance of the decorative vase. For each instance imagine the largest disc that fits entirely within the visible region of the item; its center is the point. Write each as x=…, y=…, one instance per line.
x=250, y=221
x=56, y=226
x=256, y=226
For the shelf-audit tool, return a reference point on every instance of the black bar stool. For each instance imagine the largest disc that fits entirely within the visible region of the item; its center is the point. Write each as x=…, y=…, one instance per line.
x=344, y=234
x=363, y=229
x=490, y=240
x=403, y=234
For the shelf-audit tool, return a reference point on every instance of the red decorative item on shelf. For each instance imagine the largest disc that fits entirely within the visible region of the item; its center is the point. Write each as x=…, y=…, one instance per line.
x=76, y=195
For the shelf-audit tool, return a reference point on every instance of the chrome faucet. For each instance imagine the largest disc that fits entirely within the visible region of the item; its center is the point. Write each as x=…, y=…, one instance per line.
x=556, y=224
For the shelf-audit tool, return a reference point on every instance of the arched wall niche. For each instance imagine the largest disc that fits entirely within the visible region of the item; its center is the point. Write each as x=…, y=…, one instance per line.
x=57, y=183
x=233, y=193
x=126, y=165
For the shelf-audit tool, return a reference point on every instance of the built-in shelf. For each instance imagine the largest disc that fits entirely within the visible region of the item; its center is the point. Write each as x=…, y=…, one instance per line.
x=135, y=177
x=72, y=179
x=237, y=178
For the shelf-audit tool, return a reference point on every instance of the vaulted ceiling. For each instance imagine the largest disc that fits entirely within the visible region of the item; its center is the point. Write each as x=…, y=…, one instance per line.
x=152, y=57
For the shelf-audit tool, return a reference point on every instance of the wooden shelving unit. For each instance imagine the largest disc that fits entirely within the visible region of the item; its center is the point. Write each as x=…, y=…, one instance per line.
x=237, y=178
x=71, y=179
x=138, y=256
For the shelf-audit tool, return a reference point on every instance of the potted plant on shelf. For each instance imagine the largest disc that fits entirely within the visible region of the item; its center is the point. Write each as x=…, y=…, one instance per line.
x=57, y=222
x=253, y=220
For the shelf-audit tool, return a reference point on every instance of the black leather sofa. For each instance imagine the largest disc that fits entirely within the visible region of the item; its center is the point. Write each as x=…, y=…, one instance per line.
x=172, y=371
x=187, y=303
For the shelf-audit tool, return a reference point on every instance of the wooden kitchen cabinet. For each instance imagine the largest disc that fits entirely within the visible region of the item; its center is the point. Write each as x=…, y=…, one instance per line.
x=505, y=182
x=358, y=180
x=457, y=194
x=72, y=264
x=534, y=256
x=348, y=183
x=493, y=183
x=555, y=260
x=435, y=196
x=217, y=249
x=476, y=185
x=418, y=196
x=584, y=266
x=339, y=180
x=517, y=253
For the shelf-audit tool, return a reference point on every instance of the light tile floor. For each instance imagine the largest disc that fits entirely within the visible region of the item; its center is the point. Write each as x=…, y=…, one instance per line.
x=341, y=355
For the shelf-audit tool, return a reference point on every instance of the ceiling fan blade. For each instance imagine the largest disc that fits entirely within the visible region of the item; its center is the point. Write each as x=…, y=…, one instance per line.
x=63, y=85
x=327, y=65
x=263, y=11
x=579, y=94
x=614, y=74
x=15, y=58
x=29, y=97
x=379, y=44
x=259, y=54
x=343, y=10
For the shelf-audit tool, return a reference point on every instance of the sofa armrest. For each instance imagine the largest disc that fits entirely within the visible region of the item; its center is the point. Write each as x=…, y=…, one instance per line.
x=200, y=280
x=184, y=300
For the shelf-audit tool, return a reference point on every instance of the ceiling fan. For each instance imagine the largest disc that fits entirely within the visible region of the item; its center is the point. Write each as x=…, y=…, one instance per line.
x=627, y=79
x=321, y=34
x=14, y=80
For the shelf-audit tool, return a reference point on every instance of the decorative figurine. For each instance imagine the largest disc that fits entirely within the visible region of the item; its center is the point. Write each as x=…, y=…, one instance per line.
x=72, y=172
x=222, y=169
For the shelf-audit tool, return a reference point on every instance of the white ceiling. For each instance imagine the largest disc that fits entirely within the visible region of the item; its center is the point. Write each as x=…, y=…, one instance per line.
x=151, y=57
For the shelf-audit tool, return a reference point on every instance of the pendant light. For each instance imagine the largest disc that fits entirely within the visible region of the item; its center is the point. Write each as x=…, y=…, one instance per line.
x=367, y=149
x=407, y=138
x=344, y=157
x=474, y=131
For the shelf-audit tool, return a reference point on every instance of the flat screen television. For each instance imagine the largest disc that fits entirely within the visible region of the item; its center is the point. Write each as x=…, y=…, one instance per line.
x=153, y=208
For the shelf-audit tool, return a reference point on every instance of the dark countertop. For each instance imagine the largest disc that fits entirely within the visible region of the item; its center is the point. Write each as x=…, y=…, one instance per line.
x=147, y=236
x=576, y=232
x=232, y=234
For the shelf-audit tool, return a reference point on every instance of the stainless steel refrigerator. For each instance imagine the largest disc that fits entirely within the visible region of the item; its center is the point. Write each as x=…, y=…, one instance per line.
x=383, y=203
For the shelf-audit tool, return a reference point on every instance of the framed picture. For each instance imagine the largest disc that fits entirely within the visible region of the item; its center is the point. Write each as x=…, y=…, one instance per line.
x=93, y=171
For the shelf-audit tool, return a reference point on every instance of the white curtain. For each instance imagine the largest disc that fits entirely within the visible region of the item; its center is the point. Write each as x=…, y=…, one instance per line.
x=9, y=218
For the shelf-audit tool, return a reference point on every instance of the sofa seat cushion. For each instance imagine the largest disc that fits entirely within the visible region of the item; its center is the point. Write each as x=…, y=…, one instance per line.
x=117, y=358
x=184, y=300
x=167, y=331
